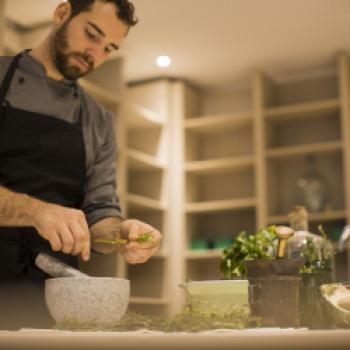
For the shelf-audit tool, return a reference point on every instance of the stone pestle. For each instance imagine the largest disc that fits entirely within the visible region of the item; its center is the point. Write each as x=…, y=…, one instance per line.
x=56, y=268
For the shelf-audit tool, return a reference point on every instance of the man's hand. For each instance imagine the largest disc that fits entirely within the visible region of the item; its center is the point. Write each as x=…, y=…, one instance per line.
x=135, y=252
x=66, y=229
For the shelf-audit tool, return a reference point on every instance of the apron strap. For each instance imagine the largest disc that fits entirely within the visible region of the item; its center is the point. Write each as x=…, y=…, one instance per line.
x=8, y=78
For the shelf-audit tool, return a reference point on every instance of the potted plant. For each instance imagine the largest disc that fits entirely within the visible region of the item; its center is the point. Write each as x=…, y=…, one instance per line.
x=314, y=254
x=247, y=247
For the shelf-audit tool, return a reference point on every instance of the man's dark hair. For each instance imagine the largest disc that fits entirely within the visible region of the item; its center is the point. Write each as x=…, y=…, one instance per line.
x=125, y=10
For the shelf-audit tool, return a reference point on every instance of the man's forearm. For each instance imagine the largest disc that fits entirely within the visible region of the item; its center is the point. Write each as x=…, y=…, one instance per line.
x=16, y=209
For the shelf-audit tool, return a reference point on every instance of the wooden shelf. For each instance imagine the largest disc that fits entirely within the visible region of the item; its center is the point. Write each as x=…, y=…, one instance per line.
x=302, y=110
x=148, y=301
x=140, y=160
x=141, y=117
x=218, y=122
x=204, y=254
x=141, y=202
x=313, y=217
x=100, y=94
x=220, y=205
x=300, y=150
x=219, y=165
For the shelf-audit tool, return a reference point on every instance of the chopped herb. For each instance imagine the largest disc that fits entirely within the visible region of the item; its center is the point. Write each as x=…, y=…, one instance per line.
x=192, y=319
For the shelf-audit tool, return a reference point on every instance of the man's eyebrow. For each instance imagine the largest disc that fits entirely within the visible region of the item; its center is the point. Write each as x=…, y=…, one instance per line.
x=97, y=28
x=115, y=47
x=101, y=32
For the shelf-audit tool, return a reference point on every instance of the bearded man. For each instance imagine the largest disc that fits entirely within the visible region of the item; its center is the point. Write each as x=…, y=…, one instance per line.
x=57, y=157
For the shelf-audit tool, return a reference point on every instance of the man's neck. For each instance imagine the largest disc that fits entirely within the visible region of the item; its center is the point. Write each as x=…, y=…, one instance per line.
x=42, y=54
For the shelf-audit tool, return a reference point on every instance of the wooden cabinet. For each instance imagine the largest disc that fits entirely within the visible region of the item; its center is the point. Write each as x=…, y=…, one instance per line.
x=239, y=155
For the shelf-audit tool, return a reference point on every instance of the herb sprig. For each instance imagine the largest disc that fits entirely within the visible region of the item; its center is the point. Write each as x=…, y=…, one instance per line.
x=142, y=238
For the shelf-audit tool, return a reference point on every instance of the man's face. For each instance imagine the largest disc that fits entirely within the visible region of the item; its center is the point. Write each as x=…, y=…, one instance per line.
x=84, y=42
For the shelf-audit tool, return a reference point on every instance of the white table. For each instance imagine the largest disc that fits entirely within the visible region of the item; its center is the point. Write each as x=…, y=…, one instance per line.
x=225, y=339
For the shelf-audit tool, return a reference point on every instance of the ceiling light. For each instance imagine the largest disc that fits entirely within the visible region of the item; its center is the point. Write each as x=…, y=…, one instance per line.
x=163, y=61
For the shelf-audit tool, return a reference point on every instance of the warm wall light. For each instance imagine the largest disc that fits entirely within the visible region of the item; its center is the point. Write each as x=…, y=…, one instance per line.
x=163, y=61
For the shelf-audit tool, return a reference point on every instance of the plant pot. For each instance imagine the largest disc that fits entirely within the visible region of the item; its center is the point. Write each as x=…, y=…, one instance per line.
x=274, y=291
x=272, y=267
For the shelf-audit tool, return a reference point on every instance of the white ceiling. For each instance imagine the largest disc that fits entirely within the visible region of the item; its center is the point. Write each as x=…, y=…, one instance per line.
x=220, y=42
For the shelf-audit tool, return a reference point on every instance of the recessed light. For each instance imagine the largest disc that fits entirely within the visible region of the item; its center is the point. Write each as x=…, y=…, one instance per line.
x=163, y=61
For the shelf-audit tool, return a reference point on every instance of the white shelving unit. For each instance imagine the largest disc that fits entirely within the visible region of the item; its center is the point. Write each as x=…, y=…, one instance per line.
x=239, y=154
x=219, y=175
x=147, y=149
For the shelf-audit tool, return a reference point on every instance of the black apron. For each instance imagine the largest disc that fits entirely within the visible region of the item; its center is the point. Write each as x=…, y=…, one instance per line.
x=44, y=157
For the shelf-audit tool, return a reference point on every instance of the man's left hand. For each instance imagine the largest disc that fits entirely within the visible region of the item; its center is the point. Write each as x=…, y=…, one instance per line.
x=135, y=252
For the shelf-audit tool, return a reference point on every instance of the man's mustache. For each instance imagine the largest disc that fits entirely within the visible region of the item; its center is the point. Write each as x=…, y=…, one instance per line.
x=86, y=58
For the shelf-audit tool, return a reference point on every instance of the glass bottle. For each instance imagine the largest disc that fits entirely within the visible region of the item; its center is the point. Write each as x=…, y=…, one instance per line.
x=311, y=188
x=298, y=245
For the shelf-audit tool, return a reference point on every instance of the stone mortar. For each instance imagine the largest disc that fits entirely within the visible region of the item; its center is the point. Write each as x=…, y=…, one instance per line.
x=100, y=300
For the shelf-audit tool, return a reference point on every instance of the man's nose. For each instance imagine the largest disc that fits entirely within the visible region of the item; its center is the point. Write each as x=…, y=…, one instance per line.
x=92, y=54
x=97, y=54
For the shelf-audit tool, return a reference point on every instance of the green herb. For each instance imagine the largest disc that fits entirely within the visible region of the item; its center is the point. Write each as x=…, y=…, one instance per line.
x=110, y=240
x=192, y=319
x=247, y=247
x=144, y=237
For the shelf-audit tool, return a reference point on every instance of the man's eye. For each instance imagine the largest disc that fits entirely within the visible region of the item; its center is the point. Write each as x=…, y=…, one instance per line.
x=90, y=35
x=107, y=50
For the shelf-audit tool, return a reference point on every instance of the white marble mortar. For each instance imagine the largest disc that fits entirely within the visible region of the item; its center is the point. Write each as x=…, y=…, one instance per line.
x=101, y=300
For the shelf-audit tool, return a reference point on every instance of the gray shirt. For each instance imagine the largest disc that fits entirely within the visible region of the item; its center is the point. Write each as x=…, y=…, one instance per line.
x=33, y=91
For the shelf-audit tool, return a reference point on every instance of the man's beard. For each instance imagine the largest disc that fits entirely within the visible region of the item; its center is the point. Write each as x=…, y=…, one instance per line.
x=60, y=55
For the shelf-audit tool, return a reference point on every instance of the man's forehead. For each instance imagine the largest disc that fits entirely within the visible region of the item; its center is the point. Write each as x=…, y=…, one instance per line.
x=104, y=17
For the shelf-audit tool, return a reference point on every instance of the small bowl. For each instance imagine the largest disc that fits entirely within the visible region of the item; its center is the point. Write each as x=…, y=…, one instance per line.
x=217, y=295
x=338, y=294
x=96, y=300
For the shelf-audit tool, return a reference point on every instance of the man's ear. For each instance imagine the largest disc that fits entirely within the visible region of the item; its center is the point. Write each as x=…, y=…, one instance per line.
x=62, y=13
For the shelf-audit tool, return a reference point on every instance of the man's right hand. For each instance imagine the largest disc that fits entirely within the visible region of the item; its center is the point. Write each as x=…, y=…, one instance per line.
x=66, y=229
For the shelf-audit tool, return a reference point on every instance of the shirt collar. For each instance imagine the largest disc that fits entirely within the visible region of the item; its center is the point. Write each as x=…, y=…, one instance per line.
x=30, y=65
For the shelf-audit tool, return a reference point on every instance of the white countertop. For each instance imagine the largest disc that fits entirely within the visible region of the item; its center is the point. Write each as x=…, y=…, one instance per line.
x=261, y=338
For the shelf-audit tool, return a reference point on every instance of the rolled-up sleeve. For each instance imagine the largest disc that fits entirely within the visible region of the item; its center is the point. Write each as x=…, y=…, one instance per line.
x=101, y=198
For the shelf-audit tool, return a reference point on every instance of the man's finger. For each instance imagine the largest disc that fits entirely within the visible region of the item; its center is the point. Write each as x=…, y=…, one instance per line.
x=66, y=238
x=85, y=242
x=55, y=242
x=79, y=237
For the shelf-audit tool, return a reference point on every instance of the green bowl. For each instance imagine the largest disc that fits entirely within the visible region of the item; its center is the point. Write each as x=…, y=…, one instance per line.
x=199, y=244
x=217, y=295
